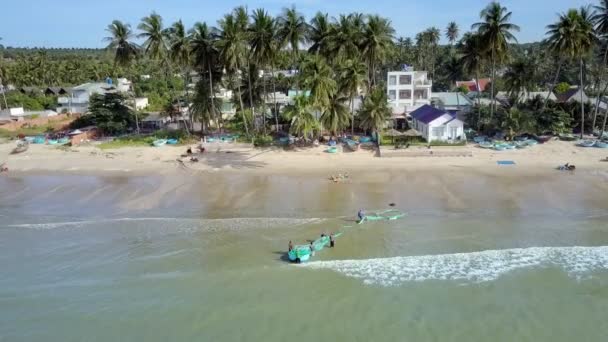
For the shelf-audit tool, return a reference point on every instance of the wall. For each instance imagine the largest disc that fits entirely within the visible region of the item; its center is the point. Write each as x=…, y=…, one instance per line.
x=58, y=122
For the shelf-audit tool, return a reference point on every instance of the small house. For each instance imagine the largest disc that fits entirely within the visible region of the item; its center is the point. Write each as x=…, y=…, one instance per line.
x=573, y=94
x=455, y=103
x=437, y=125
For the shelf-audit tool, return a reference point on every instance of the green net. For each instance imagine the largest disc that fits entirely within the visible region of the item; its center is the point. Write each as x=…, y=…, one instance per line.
x=384, y=215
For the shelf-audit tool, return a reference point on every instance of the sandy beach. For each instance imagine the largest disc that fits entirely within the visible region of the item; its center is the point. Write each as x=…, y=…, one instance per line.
x=242, y=158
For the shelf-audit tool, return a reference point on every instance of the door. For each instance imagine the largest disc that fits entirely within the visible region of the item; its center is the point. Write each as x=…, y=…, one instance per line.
x=453, y=133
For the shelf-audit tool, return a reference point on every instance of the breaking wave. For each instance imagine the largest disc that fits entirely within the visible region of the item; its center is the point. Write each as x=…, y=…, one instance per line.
x=473, y=267
x=210, y=225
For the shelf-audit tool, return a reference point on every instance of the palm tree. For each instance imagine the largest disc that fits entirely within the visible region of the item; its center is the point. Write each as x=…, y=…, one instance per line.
x=376, y=40
x=317, y=77
x=600, y=19
x=375, y=111
x=335, y=116
x=572, y=35
x=344, y=37
x=319, y=30
x=202, y=42
x=352, y=76
x=300, y=115
x=452, y=32
x=496, y=32
x=125, y=51
x=433, y=35
x=179, y=52
x=241, y=17
x=519, y=77
x=155, y=37
x=292, y=31
x=263, y=42
x=232, y=52
x=472, y=56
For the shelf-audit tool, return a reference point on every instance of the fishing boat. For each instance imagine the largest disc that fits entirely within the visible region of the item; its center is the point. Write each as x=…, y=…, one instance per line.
x=30, y=139
x=159, y=142
x=302, y=253
x=531, y=142
x=332, y=149
x=63, y=141
x=485, y=144
x=171, y=141
x=567, y=137
x=365, y=139
x=500, y=147
x=480, y=138
x=351, y=144
x=586, y=143
x=39, y=140
x=22, y=146
x=52, y=142
x=600, y=144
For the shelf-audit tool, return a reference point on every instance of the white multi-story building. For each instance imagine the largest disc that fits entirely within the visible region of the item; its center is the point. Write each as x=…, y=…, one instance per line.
x=408, y=90
x=77, y=100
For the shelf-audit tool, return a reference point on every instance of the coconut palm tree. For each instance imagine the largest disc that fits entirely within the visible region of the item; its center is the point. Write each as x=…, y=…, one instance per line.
x=352, y=77
x=301, y=117
x=241, y=16
x=472, y=56
x=205, y=56
x=335, y=116
x=125, y=51
x=600, y=19
x=520, y=77
x=433, y=35
x=120, y=40
x=573, y=36
x=232, y=52
x=179, y=52
x=263, y=42
x=496, y=31
x=317, y=76
x=155, y=37
x=319, y=30
x=452, y=32
x=376, y=40
x=293, y=31
x=375, y=111
x=344, y=37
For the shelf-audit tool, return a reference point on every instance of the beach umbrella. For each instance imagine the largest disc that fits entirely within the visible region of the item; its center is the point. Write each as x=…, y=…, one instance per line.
x=393, y=133
x=411, y=133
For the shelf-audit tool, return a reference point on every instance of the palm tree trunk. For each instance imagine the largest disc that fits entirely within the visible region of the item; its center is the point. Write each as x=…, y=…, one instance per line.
x=212, y=93
x=274, y=95
x=352, y=115
x=478, y=101
x=250, y=91
x=582, y=103
x=601, y=94
x=241, y=102
x=492, y=85
x=264, y=103
x=553, y=85
x=604, y=124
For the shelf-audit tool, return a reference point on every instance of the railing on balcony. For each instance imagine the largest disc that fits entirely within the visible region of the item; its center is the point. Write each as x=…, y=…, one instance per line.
x=72, y=100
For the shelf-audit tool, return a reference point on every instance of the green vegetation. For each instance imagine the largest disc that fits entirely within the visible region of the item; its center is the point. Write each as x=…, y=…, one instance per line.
x=146, y=140
x=30, y=101
x=109, y=113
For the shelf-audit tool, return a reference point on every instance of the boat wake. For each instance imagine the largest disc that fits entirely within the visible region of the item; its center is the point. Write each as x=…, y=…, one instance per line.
x=473, y=267
x=224, y=224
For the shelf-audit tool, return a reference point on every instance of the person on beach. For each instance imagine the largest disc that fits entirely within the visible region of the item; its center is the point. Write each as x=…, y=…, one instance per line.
x=361, y=215
x=290, y=246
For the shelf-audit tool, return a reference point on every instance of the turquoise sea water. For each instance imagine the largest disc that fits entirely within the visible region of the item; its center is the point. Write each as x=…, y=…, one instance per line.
x=131, y=259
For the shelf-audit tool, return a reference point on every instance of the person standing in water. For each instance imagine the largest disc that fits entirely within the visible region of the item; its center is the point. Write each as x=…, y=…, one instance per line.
x=332, y=242
x=290, y=245
x=361, y=215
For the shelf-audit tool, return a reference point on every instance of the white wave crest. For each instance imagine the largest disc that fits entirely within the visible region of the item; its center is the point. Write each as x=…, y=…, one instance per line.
x=204, y=224
x=469, y=267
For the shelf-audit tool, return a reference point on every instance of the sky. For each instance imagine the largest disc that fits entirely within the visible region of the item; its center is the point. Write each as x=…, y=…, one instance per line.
x=82, y=23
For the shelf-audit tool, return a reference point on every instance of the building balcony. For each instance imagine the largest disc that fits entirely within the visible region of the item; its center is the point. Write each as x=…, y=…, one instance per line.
x=425, y=83
x=68, y=100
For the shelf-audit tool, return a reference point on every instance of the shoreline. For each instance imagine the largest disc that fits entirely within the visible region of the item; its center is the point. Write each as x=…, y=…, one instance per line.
x=220, y=158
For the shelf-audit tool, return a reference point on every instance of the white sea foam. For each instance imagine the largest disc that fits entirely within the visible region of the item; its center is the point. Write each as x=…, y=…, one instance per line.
x=211, y=225
x=468, y=267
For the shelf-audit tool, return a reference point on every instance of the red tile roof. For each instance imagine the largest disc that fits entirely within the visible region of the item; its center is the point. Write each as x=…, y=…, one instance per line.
x=472, y=85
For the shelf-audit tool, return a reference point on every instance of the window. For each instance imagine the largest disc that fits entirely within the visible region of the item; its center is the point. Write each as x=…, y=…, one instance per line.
x=392, y=95
x=392, y=80
x=421, y=94
x=405, y=94
x=405, y=79
x=438, y=132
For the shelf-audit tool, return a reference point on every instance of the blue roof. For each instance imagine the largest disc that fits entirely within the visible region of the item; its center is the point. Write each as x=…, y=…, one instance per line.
x=427, y=114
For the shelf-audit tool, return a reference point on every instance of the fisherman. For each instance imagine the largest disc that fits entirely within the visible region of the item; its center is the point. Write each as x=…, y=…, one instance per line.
x=312, y=249
x=332, y=241
x=290, y=246
x=361, y=215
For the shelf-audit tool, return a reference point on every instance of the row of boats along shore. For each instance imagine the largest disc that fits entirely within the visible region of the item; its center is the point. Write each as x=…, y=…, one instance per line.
x=525, y=141
x=303, y=253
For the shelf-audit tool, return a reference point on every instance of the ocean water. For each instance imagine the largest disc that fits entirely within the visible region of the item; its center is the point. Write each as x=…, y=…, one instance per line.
x=478, y=258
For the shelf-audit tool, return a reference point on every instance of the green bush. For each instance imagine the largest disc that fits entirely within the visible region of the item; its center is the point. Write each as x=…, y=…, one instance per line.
x=262, y=140
x=445, y=143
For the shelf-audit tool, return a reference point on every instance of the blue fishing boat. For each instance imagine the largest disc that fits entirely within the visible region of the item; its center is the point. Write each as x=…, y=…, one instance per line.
x=586, y=143
x=159, y=142
x=600, y=144
x=39, y=140
x=171, y=141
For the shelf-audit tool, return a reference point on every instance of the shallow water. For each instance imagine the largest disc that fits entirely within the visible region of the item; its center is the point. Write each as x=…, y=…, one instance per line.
x=477, y=258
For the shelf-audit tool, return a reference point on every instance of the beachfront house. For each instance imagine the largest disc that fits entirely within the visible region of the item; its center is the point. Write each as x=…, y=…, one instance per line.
x=77, y=101
x=407, y=90
x=574, y=94
x=526, y=96
x=455, y=103
x=437, y=125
